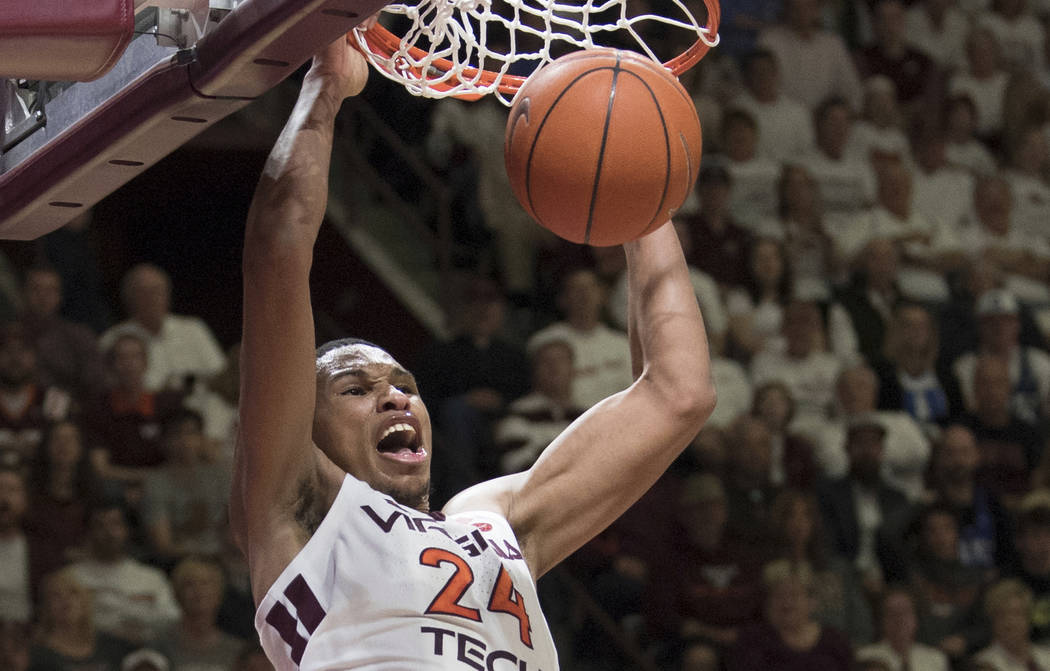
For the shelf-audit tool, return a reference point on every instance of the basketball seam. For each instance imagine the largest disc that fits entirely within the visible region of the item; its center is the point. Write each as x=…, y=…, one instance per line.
x=667, y=147
x=601, y=150
x=539, y=133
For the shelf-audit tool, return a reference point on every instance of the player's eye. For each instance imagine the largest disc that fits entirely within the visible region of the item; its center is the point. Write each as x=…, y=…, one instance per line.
x=406, y=389
x=355, y=390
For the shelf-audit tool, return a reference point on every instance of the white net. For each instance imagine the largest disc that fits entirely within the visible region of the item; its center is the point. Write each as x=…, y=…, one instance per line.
x=469, y=48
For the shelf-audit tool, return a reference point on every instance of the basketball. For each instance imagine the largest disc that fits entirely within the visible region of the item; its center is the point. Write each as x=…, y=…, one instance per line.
x=602, y=146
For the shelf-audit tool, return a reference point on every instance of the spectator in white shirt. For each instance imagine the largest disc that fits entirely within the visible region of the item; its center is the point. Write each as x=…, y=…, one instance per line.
x=1029, y=161
x=846, y=185
x=1019, y=33
x=180, y=346
x=899, y=625
x=756, y=310
x=803, y=365
x=938, y=29
x=940, y=192
x=989, y=233
x=753, y=198
x=132, y=601
x=984, y=81
x=962, y=148
x=878, y=133
x=814, y=62
x=1008, y=606
x=785, y=126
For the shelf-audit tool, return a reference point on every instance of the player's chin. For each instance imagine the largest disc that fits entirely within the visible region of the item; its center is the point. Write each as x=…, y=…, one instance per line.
x=411, y=492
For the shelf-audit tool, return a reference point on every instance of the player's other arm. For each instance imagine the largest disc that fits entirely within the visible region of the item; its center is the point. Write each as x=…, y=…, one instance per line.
x=277, y=357
x=609, y=457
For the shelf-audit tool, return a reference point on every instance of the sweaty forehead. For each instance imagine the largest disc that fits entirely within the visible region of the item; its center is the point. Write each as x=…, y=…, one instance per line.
x=356, y=355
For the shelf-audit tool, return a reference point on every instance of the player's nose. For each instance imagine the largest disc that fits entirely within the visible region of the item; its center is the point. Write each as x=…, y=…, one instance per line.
x=394, y=399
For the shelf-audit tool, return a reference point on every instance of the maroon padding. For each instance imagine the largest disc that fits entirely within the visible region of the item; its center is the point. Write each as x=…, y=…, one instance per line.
x=59, y=40
x=254, y=48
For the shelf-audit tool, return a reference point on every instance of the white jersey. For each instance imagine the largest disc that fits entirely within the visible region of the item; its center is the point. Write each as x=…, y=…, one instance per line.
x=383, y=586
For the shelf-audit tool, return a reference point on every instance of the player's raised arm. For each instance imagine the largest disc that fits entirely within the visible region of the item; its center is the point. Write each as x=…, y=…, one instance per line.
x=278, y=386
x=609, y=457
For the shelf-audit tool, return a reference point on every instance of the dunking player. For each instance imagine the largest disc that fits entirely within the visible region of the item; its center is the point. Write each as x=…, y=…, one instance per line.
x=349, y=568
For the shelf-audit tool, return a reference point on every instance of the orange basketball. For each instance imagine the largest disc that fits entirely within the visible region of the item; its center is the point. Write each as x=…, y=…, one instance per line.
x=602, y=146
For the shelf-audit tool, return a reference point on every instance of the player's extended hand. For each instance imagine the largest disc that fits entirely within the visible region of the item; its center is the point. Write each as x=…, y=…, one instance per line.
x=342, y=68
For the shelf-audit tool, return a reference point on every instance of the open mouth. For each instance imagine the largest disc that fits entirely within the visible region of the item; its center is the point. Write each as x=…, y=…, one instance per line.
x=402, y=442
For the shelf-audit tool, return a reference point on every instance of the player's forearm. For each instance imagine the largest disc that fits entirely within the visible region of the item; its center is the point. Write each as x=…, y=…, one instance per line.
x=291, y=197
x=666, y=327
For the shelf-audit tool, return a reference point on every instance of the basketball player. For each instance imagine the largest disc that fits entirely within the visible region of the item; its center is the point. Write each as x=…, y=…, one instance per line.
x=349, y=567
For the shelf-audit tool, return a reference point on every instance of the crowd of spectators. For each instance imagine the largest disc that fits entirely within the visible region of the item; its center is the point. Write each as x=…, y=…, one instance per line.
x=869, y=241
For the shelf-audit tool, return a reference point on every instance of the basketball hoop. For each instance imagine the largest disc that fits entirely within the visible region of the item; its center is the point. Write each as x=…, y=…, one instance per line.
x=467, y=49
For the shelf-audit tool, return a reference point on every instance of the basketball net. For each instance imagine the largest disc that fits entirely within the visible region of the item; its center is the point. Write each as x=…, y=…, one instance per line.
x=470, y=48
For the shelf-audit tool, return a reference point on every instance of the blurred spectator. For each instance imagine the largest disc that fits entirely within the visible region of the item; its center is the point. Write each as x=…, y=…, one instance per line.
x=962, y=148
x=196, y=643
x=718, y=243
x=756, y=309
x=798, y=536
x=63, y=484
x=182, y=349
x=1019, y=34
x=785, y=126
x=17, y=554
x=601, y=355
x=1008, y=606
x=74, y=250
x=861, y=512
x=984, y=82
x=938, y=29
x=958, y=319
x=859, y=317
x=68, y=356
x=184, y=505
x=1032, y=539
x=846, y=185
x=748, y=483
x=814, y=62
x=132, y=601
x=911, y=376
x=469, y=380
x=1010, y=448
x=753, y=176
x=899, y=624
x=941, y=192
x=789, y=638
x=124, y=425
x=26, y=406
x=926, y=249
x=800, y=228
x=791, y=459
x=706, y=585
x=983, y=525
x=1029, y=161
x=907, y=450
x=998, y=335
x=537, y=418
x=879, y=133
x=807, y=370
x=912, y=74
x=946, y=592
x=67, y=638
x=989, y=233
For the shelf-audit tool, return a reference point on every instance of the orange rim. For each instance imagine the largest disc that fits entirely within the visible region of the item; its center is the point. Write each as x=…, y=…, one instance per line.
x=384, y=43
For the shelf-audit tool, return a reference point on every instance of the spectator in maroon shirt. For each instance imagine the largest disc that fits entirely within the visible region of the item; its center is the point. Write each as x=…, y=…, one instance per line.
x=719, y=243
x=124, y=424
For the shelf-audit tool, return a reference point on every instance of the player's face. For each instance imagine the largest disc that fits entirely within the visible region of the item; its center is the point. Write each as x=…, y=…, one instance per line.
x=371, y=422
